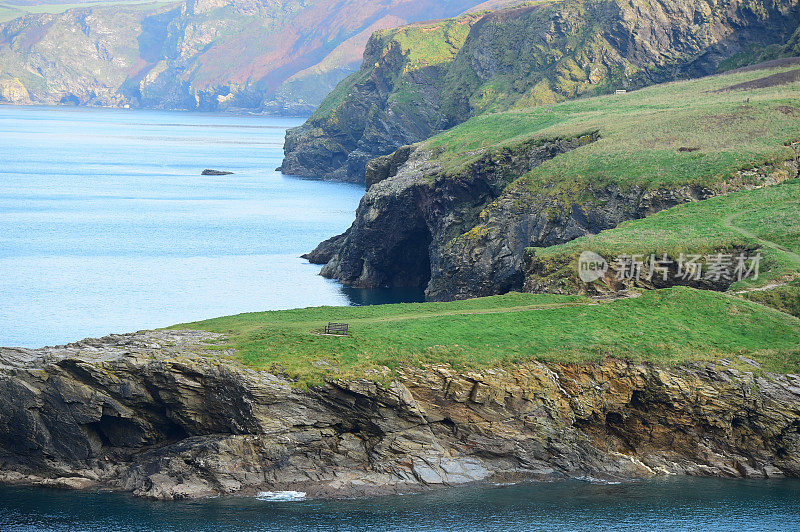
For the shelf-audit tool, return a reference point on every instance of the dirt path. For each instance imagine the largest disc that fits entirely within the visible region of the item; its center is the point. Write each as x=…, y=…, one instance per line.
x=768, y=243
x=791, y=255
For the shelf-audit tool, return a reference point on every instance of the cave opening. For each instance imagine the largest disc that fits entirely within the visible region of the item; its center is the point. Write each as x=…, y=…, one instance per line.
x=408, y=265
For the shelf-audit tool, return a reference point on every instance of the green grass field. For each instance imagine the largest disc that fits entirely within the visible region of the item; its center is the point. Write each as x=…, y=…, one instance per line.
x=641, y=133
x=666, y=326
x=785, y=298
x=765, y=219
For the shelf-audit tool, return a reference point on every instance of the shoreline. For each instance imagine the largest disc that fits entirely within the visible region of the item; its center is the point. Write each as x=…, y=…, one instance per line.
x=163, y=415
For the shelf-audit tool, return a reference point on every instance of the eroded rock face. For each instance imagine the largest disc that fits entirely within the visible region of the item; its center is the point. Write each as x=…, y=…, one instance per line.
x=407, y=222
x=157, y=415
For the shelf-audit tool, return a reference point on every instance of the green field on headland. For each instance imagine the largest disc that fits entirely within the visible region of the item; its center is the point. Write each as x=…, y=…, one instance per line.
x=688, y=132
x=666, y=326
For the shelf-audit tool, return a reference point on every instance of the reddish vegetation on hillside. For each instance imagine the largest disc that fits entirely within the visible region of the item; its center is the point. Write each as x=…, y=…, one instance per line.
x=274, y=56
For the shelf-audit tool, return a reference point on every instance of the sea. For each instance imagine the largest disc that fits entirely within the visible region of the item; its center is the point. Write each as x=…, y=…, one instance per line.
x=672, y=503
x=108, y=226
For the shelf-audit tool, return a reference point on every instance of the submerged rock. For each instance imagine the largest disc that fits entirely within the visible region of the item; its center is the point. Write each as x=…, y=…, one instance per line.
x=156, y=414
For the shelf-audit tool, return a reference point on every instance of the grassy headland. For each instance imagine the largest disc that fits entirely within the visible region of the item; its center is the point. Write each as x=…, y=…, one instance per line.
x=688, y=132
x=666, y=326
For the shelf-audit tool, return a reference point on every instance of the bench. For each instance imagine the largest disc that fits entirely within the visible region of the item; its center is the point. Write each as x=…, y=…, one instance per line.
x=338, y=329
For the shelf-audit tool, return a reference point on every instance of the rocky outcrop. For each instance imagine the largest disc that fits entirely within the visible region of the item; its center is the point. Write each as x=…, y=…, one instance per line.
x=405, y=223
x=209, y=171
x=158, y=415
x=464, y=235
x=275, y=57
x=531, y=55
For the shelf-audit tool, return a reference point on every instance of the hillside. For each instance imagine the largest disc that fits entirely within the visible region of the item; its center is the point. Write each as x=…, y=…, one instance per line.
x=763, y=220
x=455, y=213
x=539, y=54
x=278, y=57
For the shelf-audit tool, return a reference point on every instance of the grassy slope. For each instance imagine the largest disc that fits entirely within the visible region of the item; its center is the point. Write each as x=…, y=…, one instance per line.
x=641, y=133
x=785, y=298
x=747, y=219
x=667, y=326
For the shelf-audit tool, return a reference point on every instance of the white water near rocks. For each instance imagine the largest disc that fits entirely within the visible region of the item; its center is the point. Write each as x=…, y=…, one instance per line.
x=671, y=503
x=281, y=496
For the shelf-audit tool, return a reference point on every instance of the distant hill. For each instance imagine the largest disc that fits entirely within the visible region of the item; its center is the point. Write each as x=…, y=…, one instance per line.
x=278, y=57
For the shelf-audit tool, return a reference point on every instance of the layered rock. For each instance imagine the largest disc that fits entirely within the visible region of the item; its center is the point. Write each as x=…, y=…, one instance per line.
x=158, y=415
x=531, y=55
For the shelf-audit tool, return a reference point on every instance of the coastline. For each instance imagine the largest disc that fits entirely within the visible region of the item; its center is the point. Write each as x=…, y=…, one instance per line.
x=165, y=415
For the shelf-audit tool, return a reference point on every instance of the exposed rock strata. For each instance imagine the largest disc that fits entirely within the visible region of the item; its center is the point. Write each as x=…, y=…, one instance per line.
x=405, y=223
x=154, y=414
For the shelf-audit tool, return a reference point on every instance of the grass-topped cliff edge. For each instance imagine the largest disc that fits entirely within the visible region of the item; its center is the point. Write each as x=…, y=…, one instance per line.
x=546, y=175
x=670, y=326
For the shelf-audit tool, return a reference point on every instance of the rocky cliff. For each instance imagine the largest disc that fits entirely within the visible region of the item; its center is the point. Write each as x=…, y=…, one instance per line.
x=417, y=81
x=454, y=214
x=406, y=226
x=160, y=415
x=277, y=57
x=465, y=235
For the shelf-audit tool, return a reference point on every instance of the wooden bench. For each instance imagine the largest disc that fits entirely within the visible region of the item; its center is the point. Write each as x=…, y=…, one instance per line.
x=338, y=329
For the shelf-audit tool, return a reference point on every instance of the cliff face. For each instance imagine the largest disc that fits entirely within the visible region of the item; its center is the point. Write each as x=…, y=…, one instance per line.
x=408, y=225
x=463, y=233
x=264, y=56
x=525, y=56
x=158, y=415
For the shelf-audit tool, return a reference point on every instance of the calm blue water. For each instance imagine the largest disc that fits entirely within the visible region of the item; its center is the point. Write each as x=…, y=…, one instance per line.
x=107, y=226
x=669, y=504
